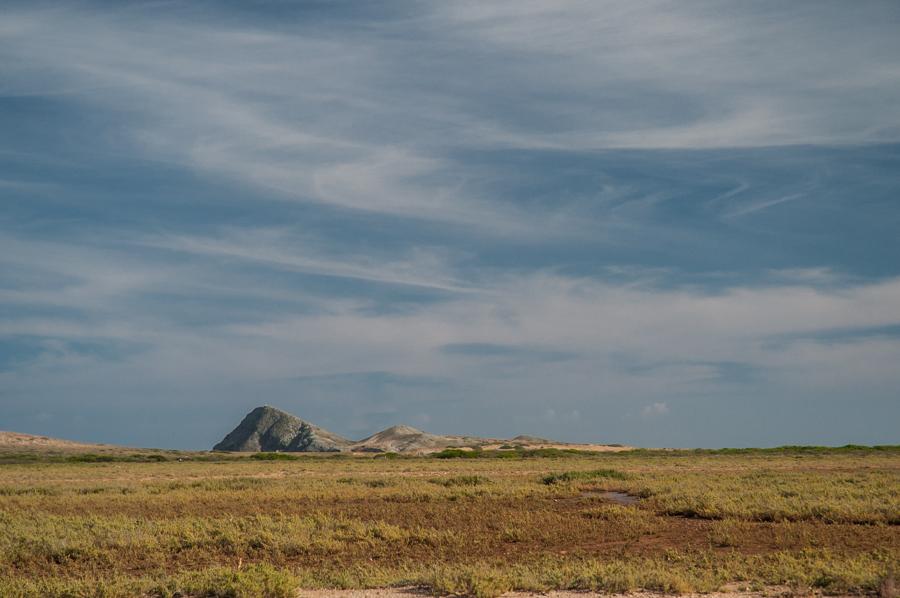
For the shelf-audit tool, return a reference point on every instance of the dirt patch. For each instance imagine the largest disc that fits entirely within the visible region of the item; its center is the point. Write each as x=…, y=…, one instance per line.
x=619, y=498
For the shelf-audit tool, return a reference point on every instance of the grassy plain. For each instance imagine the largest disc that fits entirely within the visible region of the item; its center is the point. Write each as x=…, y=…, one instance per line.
x=151, y=525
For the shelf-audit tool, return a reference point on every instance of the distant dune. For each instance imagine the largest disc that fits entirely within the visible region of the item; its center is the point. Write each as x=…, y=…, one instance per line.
x=16, y=441
x=405, y=439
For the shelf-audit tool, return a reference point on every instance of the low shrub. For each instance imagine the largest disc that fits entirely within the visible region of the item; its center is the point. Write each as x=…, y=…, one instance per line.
x=572, y=476
x=456, y=453
x=90, y=458
x=273, y=457
x=390, y=455
x=463, y=480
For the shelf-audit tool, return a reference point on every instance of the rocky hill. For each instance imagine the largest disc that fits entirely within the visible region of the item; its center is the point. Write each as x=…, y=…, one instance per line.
x=269, y=429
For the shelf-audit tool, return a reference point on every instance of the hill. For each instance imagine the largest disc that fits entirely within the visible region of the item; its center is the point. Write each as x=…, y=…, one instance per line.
x=406, y=439
x=27, y=443
x=269, y=429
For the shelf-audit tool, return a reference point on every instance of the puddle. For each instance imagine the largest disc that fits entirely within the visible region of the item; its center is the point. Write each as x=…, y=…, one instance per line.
x=620, y=498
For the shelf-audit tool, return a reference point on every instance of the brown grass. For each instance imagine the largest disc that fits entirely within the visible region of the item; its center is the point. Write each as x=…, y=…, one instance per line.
x=475, y=526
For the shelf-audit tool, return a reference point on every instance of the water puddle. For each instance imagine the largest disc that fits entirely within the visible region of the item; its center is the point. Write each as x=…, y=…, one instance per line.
x=620, y=498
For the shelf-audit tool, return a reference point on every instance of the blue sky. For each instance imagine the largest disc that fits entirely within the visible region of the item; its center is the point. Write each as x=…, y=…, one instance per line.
x=655, y=223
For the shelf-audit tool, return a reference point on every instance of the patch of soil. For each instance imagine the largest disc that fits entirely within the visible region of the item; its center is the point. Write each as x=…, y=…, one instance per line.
x=620, y=498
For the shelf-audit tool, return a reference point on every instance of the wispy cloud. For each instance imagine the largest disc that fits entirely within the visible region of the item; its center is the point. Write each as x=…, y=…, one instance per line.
x=764, y=205
x=277, y=248
x=543, y=315
x=238, y=103
x=668, y=75
x=607, y=333
x=302, y=116
x=608, y=207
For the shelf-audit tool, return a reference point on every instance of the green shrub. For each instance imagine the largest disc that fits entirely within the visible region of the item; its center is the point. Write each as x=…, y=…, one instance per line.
x=463, y=480
x=506, y=454
x=273, y=457
x=389, y=455
x=456, y=453
x=379, y=483
x=151, y=458
x=90, y=458
x=571, y=476
x=556, y=452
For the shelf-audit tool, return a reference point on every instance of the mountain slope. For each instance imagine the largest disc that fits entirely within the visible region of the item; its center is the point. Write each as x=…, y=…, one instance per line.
x=270, y=429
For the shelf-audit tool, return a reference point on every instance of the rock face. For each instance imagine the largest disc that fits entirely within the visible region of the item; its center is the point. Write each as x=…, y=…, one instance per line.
x=270, y=429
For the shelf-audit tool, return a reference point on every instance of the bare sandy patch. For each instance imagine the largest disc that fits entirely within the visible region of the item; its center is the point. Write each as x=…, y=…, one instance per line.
x=19, y=441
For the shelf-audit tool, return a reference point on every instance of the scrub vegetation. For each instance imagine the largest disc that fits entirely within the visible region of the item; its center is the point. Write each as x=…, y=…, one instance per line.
x=237, y=525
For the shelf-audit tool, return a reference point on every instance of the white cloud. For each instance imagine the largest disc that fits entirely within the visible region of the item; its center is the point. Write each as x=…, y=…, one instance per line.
x=374, y=120
x=278, y=248
x=629, y=346
x=669, y=338
x=368, y=120
x=715, y=92
x=290, y=115
x=655, y=409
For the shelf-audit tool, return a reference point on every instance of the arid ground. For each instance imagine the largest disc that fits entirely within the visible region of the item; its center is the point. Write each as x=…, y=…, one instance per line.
x=205, y=524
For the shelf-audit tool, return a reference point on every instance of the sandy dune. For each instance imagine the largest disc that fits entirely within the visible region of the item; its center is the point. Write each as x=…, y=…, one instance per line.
x=28, y=442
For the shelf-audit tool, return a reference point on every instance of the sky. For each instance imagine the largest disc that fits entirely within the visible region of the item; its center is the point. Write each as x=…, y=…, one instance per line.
x=647, y=222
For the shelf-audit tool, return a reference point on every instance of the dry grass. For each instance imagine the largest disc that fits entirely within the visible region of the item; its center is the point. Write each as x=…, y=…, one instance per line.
x=242, y=527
